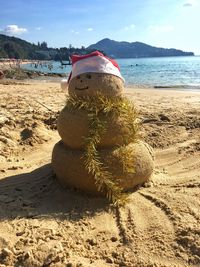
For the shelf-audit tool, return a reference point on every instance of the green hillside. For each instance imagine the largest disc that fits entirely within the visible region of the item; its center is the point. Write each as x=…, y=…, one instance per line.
x=12, y=47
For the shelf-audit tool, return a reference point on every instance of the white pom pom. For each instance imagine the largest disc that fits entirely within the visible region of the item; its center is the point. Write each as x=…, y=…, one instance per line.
x=64, y=84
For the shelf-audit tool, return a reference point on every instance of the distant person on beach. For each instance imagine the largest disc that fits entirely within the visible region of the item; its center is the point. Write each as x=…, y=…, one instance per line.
x=1, y=74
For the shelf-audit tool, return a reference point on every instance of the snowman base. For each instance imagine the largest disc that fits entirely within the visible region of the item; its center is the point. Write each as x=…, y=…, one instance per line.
x=68, y=164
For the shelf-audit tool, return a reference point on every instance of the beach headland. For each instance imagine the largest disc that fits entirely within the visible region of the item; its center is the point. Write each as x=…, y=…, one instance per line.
x=42, y=224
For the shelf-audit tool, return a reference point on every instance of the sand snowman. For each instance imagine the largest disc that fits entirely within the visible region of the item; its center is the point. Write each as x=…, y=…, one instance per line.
x=100, y=151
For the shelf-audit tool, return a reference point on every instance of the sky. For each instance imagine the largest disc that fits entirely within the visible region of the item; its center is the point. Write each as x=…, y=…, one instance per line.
x=161, y=23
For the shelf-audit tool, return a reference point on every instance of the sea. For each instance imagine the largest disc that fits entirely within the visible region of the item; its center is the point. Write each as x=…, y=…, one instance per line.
x=160, y=72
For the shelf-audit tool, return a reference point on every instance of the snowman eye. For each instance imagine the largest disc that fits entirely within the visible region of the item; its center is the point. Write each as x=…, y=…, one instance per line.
x=88, y=76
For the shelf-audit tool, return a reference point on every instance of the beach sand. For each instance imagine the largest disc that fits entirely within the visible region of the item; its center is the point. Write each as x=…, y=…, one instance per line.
x=43, y=224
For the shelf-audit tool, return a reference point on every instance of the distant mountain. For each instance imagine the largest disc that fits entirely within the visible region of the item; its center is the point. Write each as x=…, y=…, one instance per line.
x=12, y=47
x=134, y=50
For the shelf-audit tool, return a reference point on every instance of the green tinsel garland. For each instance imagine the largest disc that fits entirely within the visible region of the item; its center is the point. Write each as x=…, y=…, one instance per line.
x=95, y=107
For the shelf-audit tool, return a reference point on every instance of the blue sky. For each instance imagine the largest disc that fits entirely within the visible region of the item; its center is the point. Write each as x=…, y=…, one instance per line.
x=162, y=23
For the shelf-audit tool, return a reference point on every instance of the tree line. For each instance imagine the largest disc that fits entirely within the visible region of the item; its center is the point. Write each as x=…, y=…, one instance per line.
x=12, y=47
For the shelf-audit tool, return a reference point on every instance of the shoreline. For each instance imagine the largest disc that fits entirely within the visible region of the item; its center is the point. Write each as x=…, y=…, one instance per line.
x=167, y=87
x=44, y=77
x=56, y=79
x=11, y=64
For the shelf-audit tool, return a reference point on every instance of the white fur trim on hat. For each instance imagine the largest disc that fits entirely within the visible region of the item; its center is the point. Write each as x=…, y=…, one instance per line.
x=96, y=64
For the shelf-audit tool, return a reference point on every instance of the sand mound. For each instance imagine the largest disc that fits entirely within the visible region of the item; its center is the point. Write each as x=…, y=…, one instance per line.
x=25, y=122
x=66, y=160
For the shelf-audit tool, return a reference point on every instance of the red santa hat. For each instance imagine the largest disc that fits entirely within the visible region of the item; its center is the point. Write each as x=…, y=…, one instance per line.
x=94, y=62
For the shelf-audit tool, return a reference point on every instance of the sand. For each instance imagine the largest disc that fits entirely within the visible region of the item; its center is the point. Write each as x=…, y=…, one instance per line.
x=42, y=224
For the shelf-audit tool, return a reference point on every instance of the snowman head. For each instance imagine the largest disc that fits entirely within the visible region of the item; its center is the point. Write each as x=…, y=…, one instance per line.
x=95, y=74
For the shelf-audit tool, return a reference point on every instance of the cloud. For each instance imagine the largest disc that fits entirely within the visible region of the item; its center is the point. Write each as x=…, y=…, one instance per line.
x=160, y=28
x=187, y=5
x=130, y=27
x=74, y=32
x=14, y=30
x=90, y=29
x=191, y=3
x=38, y=28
